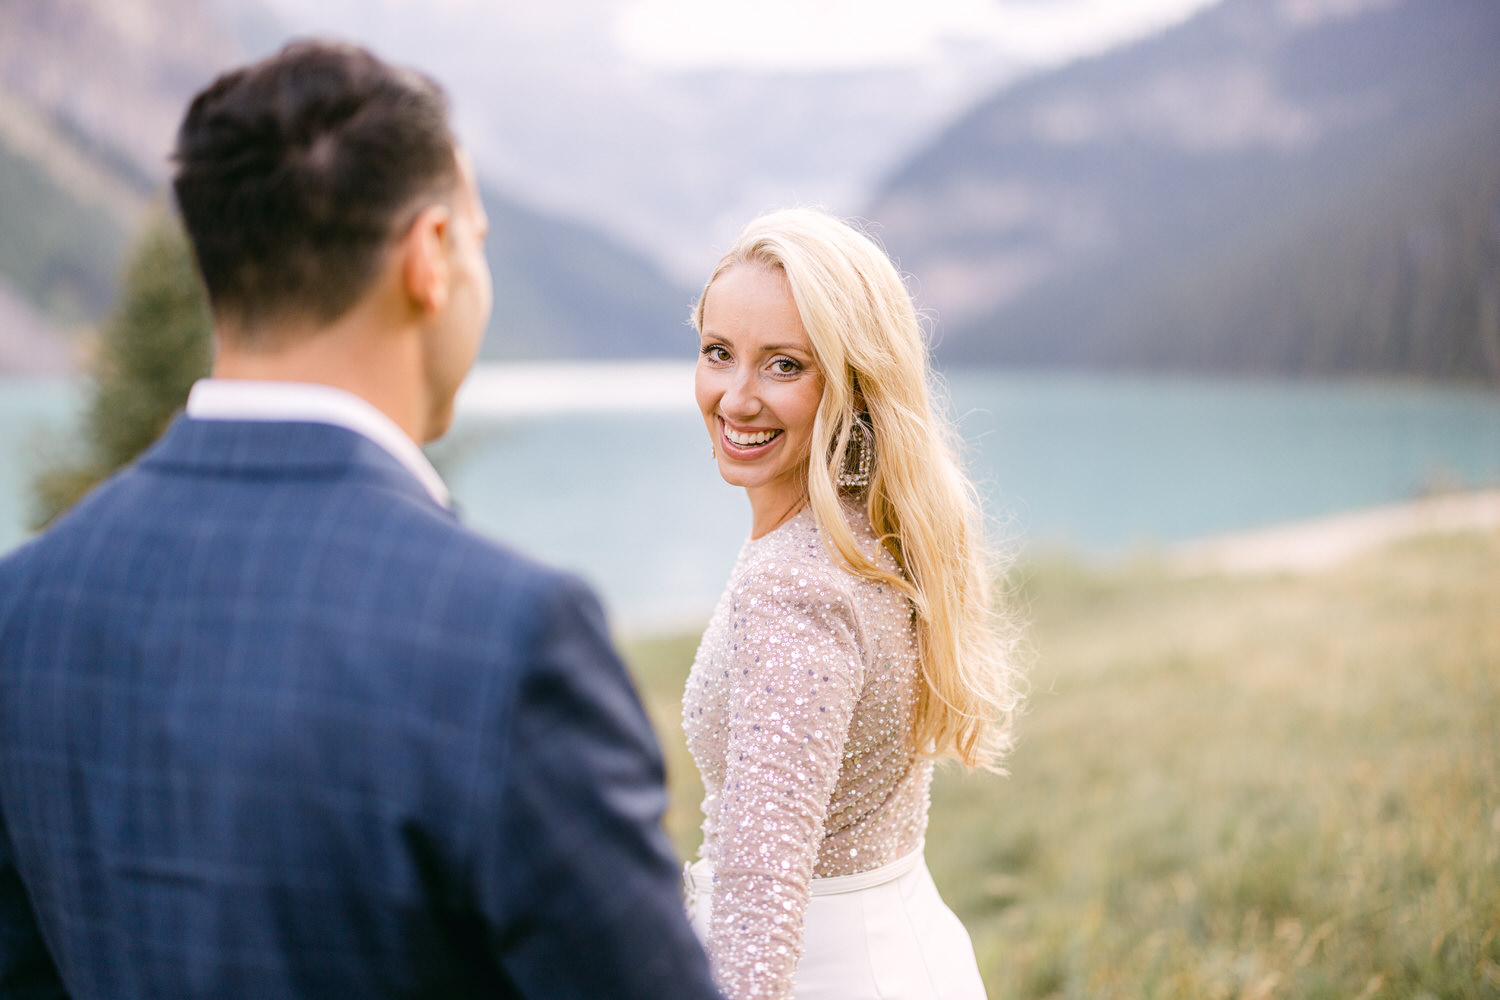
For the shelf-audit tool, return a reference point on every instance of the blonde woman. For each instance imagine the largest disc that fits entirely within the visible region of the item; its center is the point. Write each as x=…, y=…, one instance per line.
x=856, y=642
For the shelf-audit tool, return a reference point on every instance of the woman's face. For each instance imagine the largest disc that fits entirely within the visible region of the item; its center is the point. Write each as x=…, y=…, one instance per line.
x=758, y=389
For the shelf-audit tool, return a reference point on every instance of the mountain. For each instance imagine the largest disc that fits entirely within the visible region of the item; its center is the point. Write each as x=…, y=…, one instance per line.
x=65, y=220
x=567, y=290
x=572, y=106
x=91, y=92
x=1287, y=186
x=28, y=343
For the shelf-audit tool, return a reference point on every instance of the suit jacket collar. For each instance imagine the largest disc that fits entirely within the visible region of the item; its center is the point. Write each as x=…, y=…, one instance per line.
x=256, y=448
x=312, y=402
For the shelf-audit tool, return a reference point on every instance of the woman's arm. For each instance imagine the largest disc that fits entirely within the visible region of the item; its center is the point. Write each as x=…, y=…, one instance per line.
x=796, y=674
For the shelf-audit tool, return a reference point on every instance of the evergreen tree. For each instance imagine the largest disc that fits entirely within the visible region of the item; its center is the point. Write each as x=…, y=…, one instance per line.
x=157, y=341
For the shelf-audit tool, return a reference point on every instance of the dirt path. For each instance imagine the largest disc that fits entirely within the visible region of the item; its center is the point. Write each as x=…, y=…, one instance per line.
x=1319, y=544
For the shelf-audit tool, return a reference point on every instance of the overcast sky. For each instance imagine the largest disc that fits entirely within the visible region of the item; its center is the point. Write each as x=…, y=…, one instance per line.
x=821, y=34
x=670, y=122
x=794, y=35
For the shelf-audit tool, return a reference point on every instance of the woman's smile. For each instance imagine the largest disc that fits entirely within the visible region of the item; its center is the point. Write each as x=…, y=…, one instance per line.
x=747, y=443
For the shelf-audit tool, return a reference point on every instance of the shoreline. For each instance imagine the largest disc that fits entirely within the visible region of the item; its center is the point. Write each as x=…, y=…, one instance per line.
x=1319, y=544
x=1305, y=547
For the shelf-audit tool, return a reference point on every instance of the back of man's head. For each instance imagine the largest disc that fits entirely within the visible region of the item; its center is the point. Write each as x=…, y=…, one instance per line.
x=294, y=173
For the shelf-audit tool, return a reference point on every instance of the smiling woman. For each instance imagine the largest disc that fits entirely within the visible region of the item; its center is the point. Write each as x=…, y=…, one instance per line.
x=856, y=641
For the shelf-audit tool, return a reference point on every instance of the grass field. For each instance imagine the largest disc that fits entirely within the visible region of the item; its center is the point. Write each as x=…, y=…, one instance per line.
x=1227, y=787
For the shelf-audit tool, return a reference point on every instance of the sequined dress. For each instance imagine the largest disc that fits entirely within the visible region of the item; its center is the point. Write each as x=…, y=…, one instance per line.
x=797, y=712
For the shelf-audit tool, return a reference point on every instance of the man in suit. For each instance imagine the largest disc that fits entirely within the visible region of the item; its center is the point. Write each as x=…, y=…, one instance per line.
x=272, y=723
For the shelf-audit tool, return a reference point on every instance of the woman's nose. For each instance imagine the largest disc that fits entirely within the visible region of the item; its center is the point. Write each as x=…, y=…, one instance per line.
x=740, y=400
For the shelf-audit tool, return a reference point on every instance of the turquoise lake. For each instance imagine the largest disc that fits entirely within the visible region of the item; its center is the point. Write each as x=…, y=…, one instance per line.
x=606, y=469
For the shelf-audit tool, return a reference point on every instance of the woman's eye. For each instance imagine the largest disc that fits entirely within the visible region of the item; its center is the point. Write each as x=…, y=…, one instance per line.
x=714, y=352
x=785, y=366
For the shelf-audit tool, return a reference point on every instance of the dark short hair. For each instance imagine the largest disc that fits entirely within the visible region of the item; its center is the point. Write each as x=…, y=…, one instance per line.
x=294, y=172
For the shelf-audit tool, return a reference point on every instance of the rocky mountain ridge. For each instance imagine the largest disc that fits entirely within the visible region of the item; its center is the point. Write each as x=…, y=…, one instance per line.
x=1288, y=186
x=91, y=92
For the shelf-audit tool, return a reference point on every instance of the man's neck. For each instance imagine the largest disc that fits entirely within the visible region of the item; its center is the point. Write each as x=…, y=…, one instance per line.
x=382, y=369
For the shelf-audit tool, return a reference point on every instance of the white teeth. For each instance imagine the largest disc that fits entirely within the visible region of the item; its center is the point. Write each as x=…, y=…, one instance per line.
x=748, y=440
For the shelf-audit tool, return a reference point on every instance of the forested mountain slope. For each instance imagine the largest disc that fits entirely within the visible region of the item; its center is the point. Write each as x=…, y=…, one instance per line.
x=91, y=92
x=1290, y=186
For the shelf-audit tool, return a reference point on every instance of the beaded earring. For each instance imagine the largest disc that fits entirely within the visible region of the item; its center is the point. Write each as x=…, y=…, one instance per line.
x=859, y=456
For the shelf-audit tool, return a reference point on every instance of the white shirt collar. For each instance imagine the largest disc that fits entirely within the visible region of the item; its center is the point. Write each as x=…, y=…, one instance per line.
x=311, y=402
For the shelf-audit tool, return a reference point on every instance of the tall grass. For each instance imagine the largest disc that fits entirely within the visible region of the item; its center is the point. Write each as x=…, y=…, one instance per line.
x=1228, y=787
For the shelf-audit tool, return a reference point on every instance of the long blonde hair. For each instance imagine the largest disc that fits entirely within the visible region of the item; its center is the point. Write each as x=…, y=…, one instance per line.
x=869, y=344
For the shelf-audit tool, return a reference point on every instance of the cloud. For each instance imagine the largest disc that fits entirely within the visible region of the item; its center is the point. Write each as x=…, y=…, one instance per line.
x=812, y=35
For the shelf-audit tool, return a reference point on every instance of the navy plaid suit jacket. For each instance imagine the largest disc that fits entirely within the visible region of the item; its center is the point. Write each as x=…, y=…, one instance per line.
x=272, y=724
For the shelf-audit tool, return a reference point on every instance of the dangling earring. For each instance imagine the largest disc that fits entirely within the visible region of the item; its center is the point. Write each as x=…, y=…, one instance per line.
x=859, y=456
x=713, y=450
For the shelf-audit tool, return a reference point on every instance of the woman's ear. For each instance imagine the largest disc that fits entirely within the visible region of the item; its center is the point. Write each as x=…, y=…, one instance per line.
x=424, y=260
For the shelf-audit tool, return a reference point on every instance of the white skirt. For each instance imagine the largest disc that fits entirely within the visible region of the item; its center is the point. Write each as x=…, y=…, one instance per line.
x=884, y=934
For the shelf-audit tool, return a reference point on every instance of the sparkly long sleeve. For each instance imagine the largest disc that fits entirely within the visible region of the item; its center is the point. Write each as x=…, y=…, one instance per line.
x=795, y=676
x=798, y=713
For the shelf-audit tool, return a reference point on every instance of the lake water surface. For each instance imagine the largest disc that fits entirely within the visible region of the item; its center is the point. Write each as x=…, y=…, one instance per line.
x=606, y=468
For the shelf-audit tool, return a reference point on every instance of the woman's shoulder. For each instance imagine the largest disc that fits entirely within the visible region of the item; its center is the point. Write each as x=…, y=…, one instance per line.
x=793, y=550
x=798, y=553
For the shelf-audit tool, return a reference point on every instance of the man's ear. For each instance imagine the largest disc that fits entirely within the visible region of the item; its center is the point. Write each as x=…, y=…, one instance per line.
x=424, y=259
